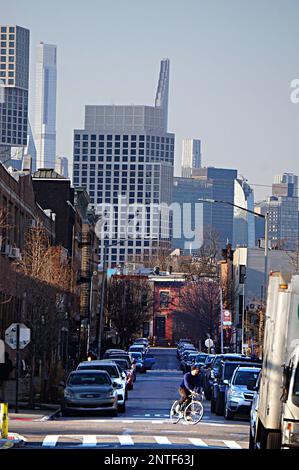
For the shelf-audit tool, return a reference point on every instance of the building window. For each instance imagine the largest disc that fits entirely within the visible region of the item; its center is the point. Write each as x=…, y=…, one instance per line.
x=164, y=299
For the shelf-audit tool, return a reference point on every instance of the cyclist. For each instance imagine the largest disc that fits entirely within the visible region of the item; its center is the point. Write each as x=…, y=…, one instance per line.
x=192, y=382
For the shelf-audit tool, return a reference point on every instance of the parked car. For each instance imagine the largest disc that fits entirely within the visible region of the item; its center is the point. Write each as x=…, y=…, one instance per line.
x=212, y=369
x=254, y=412
x=137, y=348
x=111, y=351
x=117, y=376
x=220, y=384
x=127, y=356
x=148, y=361
x=140, y=367
x=181, y=343
x=89, y=390
x=186, y=347
x=127, y=369
x=143, y=341
x=238, y=398
x=186, y=359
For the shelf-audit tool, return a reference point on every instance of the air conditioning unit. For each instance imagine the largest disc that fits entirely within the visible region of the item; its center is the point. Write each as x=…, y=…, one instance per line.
x=32, y=223
x=15, y=253
x=5, y=249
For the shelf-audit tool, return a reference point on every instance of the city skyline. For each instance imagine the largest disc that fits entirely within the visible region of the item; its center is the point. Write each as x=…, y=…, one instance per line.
x=235, y=130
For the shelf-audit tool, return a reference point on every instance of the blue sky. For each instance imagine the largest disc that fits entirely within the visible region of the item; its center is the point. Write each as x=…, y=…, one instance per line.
x=232, y=62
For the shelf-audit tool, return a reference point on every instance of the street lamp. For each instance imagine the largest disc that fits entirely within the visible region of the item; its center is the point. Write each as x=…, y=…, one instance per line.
x=265, y=217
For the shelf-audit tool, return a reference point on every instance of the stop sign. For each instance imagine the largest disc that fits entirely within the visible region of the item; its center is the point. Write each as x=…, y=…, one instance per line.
x=11, y=336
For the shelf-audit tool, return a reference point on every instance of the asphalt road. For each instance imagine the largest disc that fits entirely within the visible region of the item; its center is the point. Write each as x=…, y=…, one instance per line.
x=145, y=424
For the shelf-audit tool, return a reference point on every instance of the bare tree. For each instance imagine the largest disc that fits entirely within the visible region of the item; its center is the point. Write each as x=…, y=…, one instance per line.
x=46, y=277
x=254, y=327
x=129, y=305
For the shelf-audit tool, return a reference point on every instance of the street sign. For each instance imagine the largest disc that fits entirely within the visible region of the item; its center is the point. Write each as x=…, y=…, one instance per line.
x=227, y=318
x=11, y=336
x=2, y=352
x=209, y=343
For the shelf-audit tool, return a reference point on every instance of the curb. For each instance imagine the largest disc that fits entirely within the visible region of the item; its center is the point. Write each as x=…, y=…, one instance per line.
x=52, y=416
x=13, y=440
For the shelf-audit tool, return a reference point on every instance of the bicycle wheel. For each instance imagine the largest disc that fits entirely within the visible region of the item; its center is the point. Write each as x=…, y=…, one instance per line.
x=193, y=412
x=174, y=415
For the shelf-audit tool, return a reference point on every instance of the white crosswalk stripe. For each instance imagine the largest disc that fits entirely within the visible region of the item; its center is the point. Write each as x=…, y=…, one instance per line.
x=162, y=440
x=92, y=440
x=50, y=441
x=232, y=444
x=198, y=442
x=126, y=440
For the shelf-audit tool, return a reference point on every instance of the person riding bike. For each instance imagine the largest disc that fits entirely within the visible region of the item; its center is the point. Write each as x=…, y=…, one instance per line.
x=192, y=382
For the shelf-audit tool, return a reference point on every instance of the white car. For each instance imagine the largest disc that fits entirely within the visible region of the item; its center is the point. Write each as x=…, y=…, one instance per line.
x=117, y=376
x=253, y=415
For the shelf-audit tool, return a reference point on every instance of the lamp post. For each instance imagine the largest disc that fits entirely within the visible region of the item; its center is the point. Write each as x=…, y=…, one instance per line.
x=266, y=219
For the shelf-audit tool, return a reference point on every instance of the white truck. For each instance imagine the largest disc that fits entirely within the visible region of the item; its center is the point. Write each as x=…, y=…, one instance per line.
x=275, y=410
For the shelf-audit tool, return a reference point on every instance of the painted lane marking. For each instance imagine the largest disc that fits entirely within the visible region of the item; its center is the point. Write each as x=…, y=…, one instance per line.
x=126, y=440
x=50, y=441
x=197, y=442
x=162, y=440
x=232, y=444
x=89, y=440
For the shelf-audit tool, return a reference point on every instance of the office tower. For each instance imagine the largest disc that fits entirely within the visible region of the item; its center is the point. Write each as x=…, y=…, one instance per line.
x=191, y=221
x=61, y=166
x=124, y=156
x=45, y=105
x=244, y=223
x=223, y=188
x=30, y=150
x=191, y=156
x=14, y=82
x=260, y=207
x=288, y=179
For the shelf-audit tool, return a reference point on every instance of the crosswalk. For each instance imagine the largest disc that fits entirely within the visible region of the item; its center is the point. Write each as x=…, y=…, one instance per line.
x=122, y=440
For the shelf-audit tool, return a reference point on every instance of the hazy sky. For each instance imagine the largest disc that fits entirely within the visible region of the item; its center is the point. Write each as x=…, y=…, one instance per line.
x=232, y=62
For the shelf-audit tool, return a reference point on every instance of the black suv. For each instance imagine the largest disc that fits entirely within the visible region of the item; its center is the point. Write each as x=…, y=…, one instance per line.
x=221, y=381
x=212, y=368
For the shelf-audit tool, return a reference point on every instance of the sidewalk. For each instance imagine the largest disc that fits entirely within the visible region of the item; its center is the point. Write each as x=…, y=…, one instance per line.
x=15, y=439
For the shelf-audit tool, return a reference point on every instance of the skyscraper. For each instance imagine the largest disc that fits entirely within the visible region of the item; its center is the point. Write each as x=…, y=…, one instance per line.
x=282, y=207
x=223, y=188
x=45, y=105
x=192, y=221
x=14, y=83
x=191, y=156
x=244, y=223
x=124, y=156
x=61, y=166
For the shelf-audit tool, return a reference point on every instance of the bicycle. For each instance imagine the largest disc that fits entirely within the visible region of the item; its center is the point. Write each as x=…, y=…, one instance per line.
x=192, y=412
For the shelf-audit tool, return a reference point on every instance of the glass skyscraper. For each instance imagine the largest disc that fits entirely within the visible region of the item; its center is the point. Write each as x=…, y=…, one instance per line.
x=14, y=83
x=191, y=156
x=244, y=222
x=124, y=156
x=45, y=105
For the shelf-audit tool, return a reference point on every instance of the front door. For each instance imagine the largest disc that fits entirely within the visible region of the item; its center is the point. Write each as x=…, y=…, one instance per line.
x=160, y=327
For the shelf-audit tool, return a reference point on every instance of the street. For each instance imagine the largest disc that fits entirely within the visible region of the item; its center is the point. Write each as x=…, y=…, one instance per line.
x=145, y=424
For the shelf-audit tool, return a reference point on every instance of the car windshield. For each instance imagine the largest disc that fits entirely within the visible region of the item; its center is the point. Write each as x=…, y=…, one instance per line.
x=229, y=369
x=123, y=364
x=201, y=358
x=242, y=377
x=89, y=379
x=136, y=355
x=112, y=370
